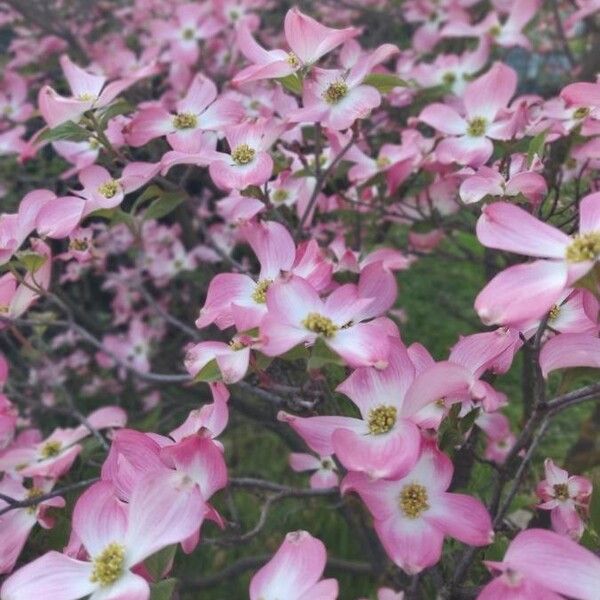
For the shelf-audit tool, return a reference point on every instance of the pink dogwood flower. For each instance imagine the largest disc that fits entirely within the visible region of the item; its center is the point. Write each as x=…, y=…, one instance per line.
x=116, y=537
x=59, y=217
x=89, y=92
x=567, y=497
x=308, y=41
x=384, y=442
x=199, y=110
x=16, y=525
x=469, y=138
x=325, y=472
x=248, y=162
x=544, y=564
x=53, y=456
x=506, y=299
x=297, y=315
x=568, y=350
x=489, y=182
x=295, y=572
x=414, y=513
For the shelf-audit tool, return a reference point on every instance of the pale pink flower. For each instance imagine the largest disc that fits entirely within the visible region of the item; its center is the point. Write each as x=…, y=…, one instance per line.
x=567, y=497
x=295, y=572
x=413, y=514
x=469, y=137
x=324, y=469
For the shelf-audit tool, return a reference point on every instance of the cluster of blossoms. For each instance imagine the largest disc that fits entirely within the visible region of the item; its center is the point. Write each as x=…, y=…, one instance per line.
x=195, y=204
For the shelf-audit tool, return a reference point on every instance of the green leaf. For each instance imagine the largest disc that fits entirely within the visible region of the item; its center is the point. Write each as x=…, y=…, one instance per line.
x=163, y=590
x=299, y=352
x=209, y=372
x=595, y=507
x=384, y=82
x=292, y=83
x=32, y=261
x=65, y=131
x=497, y=550
x=160, y=563
x=590, y=540
x=468, y=420
x=150, y=193
x=536, y=146
x=120, y=107
x=322, y=355
x=164, y=205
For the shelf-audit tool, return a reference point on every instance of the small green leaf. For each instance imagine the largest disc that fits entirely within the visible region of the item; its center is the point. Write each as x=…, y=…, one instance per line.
x=536, y=146
x=497, y=550
x=298, y=352
x=65, y=131
x=32, y=261
x=163, y=590
x=590, y=540
x=160, y=563
x=209, y=372
x=384, y=82
x=150, y=193
x=292, y=83
x=468, y=420
x=164, y=205
x=595, y=507
x=252, y=191
x=322, y=355
x=120, y=107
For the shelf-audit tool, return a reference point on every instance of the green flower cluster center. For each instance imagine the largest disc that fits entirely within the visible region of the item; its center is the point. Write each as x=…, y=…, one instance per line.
x=335, y=92
x=185, y=121
x=414, y=500
x=109, y=189
x=554, y=313
x=243, y=154
x=108, y=565
x=293, y=60
x=581, y=113
x=477, y=127
x=382, y=419
x=319, y=324
x=585, y=246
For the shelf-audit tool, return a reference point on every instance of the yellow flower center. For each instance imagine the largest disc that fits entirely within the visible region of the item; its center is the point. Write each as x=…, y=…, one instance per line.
x=108, y=565
x=554, y=313
x=335, y=92
x=86, y=97
x=413, y=500
x=185, y=121
x=4, y=308
x=293, y=60
x=584, y=247
x=51, y=449
x=109, y=189
x=188, y=34
x=243, y=154
x=495, y=31
x=382, y=419
x=319, y=324
x=280, y=195
x=79, y=245
x=581, y=113
x=561, y=491
x=260, y=291
x=477, y=127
